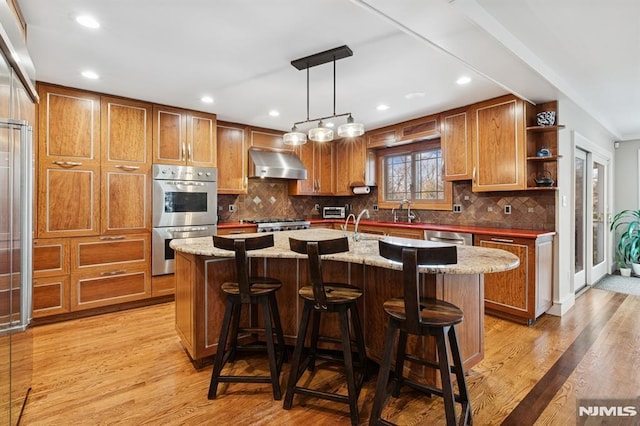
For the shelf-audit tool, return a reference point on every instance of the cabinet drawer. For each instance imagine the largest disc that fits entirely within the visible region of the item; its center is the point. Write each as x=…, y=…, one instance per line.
x=109, y=250
x=108, y=287
x=50, y=258
x=50, y=296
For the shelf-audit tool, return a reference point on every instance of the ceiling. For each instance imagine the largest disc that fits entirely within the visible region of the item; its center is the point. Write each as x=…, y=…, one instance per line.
x=406, y=54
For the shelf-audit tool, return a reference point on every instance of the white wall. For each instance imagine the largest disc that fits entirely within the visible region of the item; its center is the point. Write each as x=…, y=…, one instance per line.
x=626, y=174
x=582, y=127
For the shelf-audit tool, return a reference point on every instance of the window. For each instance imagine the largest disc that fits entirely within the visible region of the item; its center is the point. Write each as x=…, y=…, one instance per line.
x=415, y=172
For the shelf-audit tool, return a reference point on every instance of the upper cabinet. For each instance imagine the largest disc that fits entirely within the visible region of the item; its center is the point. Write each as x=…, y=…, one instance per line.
x=182, y=137
x=499, y=151
x=317, y=158
x=421, y=128
x=68, y=162
x=456, y=140
x=542, y=147
x=350, y=164
x=267, y=139
x=232, y=158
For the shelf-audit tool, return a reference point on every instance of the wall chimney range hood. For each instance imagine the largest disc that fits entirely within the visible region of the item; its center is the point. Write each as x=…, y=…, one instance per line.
x=271, y=164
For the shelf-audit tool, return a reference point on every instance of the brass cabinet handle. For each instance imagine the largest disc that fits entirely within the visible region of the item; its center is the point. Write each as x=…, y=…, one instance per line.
x=110, y=273
x=183, y=148
x=127, y=168
x=113, y=237
x=189, y=152
x=67, y=163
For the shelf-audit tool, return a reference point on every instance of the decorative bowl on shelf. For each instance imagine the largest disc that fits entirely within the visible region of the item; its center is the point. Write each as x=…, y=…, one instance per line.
x=543, y=152
x=544, y=179
x=546, y=118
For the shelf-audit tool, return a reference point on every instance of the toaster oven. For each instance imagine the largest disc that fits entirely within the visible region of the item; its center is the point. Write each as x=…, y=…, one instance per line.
x=333, y=212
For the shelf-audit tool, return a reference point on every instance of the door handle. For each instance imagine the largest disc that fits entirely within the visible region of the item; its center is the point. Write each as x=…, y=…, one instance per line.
x=67, y=163
x=127, y=168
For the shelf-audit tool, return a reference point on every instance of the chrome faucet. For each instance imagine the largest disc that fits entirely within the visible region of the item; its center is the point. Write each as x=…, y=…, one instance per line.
x=356, y=236
x=410, y=215
x=346, y=223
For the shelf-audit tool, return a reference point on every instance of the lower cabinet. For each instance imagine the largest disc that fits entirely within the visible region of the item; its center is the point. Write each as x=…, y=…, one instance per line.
x=524, y=293
x=72, y=274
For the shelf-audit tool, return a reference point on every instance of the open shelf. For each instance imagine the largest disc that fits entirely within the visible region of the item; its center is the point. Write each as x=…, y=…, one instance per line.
x=545, y=128
x=539, y=137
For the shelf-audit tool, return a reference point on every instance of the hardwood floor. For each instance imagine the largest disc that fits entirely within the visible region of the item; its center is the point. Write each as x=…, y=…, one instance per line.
x=129, y=368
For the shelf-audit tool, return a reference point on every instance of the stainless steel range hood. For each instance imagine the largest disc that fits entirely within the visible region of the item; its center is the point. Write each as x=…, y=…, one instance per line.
x=271, y=164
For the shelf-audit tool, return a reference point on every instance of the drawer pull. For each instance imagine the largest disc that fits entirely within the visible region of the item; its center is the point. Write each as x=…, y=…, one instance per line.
x=67, y=163
x=127, y=168
x=502, y=240
x=108, y=274
x=113, y=237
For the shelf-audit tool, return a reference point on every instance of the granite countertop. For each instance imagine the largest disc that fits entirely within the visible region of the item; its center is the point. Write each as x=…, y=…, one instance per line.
x=477, y=230
x=471, y=260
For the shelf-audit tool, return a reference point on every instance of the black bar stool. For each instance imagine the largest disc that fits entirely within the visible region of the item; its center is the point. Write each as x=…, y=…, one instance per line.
x=248, y=290
x=415, y=315
x=321, y=298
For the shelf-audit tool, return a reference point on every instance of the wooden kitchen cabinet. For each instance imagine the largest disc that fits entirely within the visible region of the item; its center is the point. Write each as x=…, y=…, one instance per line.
x=51, y=267
x=109, y=269
x=350, y=164
x=427, y=127
x=232, y=158
x=267, y=139
x=246, y=229
x=524, y=293
x=499, y=150
x=182, y=137
x=68, y=162
x=381, y=138
x=456, y=142
x=317, y=158
x=126, y=166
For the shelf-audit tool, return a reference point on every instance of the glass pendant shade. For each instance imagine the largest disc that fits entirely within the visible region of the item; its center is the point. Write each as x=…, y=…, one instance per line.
x=294, y=137
x=350, y=129
x=321, y=133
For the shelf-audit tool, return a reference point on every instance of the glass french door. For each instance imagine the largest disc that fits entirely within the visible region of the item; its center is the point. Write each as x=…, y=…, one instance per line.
x=591, y=209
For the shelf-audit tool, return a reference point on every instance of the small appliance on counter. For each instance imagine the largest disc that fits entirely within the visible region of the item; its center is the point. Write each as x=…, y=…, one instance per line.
x=334, y=212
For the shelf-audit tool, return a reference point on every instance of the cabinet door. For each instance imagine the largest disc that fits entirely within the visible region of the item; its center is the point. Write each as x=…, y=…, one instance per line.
x=323, y=168
x=456, y=144
x=358, y=162
x=381, y=138
x=305, y=186
x=68, y=200
x=268, y=139
x=499, y=155
x=126, y=199
x=232, y=158
x=69, y=127
x=126, y=132
x=51, y=296
x=342, y=168
x=201, y=139
x=511, y=291
x=50, y=257
x=169, y=135
x=420, y=128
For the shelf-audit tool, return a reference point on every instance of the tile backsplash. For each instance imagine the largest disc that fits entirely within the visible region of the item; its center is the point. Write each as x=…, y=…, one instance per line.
x=268, y=198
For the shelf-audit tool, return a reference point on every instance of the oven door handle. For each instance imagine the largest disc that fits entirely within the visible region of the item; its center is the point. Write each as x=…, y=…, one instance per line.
x=190, y=233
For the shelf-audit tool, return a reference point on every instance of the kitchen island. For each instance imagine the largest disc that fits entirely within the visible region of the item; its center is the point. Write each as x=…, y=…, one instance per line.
x=202, y=268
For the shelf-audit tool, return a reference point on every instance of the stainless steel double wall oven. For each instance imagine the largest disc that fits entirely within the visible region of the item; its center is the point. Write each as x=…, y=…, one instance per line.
x=184, y=206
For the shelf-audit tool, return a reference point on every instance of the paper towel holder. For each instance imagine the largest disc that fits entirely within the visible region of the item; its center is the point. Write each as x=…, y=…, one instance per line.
x=361, y=189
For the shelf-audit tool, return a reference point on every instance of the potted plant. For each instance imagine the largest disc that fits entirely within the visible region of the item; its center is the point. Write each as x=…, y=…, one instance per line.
x=627, y=223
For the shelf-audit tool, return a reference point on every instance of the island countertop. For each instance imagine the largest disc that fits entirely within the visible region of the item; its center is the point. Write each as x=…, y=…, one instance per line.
x=471, y=259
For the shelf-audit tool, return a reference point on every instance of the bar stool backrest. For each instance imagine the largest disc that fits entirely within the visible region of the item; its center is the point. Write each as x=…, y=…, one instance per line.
x=411, y=258
x=313, y=250
x=240, y=246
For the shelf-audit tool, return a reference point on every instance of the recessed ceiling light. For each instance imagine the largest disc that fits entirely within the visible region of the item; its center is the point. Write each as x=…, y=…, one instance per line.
x=463, y=80
x=87, y=21
x=274, y=113
x=207, y=99
x=414, y=95
x=90, y=75
x=382, y=107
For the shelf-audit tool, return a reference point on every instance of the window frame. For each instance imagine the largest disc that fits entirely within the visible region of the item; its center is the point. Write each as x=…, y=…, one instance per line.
x=411, y=149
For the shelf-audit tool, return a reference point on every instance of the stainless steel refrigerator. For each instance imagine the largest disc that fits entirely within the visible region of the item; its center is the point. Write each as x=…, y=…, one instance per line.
x=16, y=223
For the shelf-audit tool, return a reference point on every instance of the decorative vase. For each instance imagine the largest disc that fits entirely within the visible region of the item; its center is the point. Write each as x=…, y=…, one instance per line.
x=625, y=272
x=636, y=268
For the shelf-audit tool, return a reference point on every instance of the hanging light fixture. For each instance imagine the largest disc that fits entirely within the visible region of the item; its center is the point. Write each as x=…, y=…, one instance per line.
x=322, y=133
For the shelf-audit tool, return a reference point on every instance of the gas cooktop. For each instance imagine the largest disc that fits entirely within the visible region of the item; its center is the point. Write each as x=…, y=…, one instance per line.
x=279, y=224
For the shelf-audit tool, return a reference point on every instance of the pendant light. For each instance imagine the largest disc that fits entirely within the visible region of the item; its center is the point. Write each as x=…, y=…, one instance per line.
x=321, y=133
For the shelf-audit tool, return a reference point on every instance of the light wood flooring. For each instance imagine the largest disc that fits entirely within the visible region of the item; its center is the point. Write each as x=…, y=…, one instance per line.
x=128, y=368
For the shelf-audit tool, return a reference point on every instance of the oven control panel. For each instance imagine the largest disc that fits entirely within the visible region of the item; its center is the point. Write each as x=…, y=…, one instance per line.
x=170, y=172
